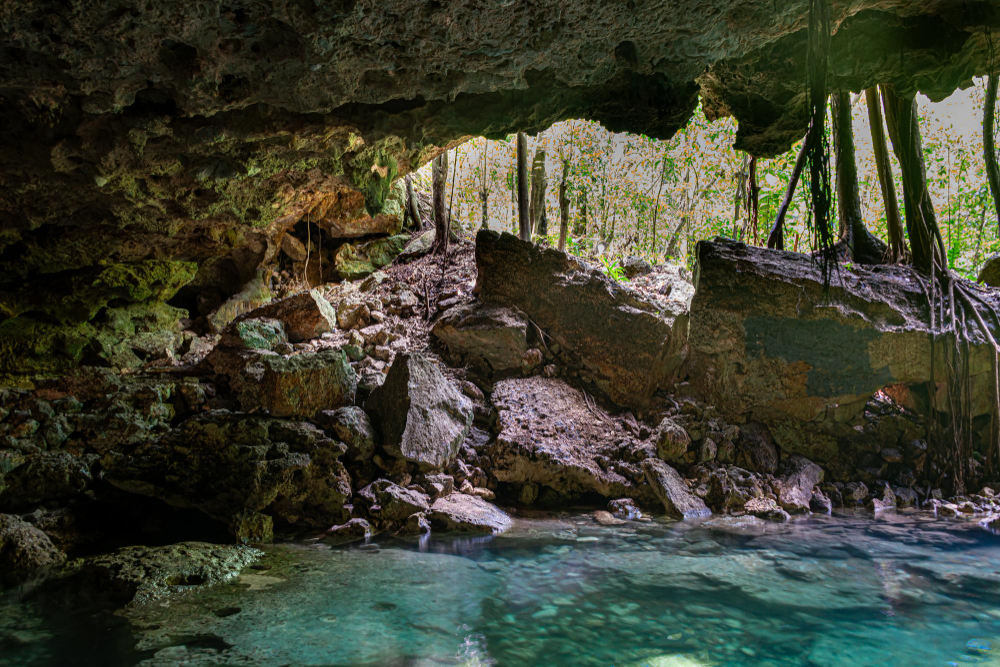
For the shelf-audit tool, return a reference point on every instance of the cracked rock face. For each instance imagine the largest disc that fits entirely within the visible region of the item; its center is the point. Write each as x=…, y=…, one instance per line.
x=197, y=132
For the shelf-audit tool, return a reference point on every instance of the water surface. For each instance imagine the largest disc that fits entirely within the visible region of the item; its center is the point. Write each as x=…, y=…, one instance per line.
x=849, y=590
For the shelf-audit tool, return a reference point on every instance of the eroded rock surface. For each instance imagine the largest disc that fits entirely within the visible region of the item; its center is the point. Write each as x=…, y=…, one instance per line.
x=550, y=434
x=588, y=313
x=25, y=551
x=491, y=338
x=673, y=492
x=468, y=513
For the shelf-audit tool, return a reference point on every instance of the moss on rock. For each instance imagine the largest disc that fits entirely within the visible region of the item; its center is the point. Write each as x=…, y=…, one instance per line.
x=357, y=260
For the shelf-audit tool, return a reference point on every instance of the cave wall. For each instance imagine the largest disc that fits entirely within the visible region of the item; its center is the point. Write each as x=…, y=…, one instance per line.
x=180, y=134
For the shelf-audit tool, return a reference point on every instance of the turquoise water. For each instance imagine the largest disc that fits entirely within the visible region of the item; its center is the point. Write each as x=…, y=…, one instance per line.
x=850, y=590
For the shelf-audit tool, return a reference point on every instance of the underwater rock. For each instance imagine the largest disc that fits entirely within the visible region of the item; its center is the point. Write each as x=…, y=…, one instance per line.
x=136, y=575
x=422, y=416
x=461, y=512
x=25, y=551
x=669, y=486
x=629, y=343
x=226, y=464
x=493, y=339
x=548, y=434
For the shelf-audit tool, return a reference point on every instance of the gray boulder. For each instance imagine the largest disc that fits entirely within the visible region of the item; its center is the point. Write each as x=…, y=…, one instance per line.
x=671, y=440
x=669, y=486
x=389, y=502
x=462, y=512
x=351, y=425
x=491, y=338
x=795, y=488
x=423, y=417
x=25, y=551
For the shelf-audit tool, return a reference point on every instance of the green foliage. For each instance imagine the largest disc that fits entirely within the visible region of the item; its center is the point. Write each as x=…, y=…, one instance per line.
x=613, y=268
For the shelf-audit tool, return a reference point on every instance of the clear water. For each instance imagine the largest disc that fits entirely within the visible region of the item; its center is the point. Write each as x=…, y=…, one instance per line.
x=850, y=590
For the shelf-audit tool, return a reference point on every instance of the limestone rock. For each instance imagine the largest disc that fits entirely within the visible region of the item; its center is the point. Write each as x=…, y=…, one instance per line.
x=25, y=551
x=549, y=435
x=388, y=502
x=990, y=273
x=137, y=575
x=672, y=440
x=795, y=489
x=295, y=386
x=767, y=338
x=491, y=338
x=355, y=529
x=606, y=518
x=587, y=313
x=254, y=333
x=755, y=449
x=44, y=477
x=635, y=266
x=461, y=512
x=731, y=488
x=351, y=425
x=254, y=294
x=306, y=315
x=669, y=486
x=226, y=464
x=422, y=416
x=886, y=502
x=765, y=508
x=354, y=261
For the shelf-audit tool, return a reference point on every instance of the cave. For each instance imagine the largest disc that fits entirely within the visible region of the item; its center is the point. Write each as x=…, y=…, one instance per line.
x=573, y=333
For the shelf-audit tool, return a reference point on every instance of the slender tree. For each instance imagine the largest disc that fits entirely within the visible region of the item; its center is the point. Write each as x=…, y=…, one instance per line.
x=776, y=238
x=539, y=183
x=897, y=243
x=989, y=142
x=484, y=190
x=439, y=172
x=412, y=205
x=564, y=206
x=523, y=210
x=860, y=244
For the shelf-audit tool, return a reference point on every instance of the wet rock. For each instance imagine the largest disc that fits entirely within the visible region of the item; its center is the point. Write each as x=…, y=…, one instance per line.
x=25, y=551
x=350, y=424
x=226, y=464
x=305, y=316
x=731, y=488
x=137, y=575
x=585, y=312
x=820, y=503
x=855, y=493
x=624, y=508
x=669, y=486
x=353, y=530
x=766, y=508
x=606, y=518
x=490, y=338
x=422, y=416
x=296, y=386
x=550, y=435
x=672, y=440
x=416, y=524
x=252, y=528
x=886, y=502
x=461, y=512
x=389, y=502
x=755, y=450
x=905, y=497
x=795, y=488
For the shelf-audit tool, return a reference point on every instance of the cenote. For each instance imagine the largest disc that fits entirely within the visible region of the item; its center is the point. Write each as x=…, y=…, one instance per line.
x=632, y=333
x=849, y=589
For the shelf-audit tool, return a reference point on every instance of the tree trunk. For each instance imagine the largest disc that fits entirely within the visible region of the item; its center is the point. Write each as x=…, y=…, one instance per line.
x=753, y=200
x=539, y=182
x=442, y=232
x=989, y=142
x=413, y=207
x=564, y=208
x=484, y=197
x=897, y=244
x=580, y=228
x=926, y=244
x=523, y=209
x=776, y=239
x=862, y=246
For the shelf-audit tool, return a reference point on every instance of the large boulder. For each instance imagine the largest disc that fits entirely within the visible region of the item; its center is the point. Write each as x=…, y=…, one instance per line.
x=389, y=502
x=990, y=273
x=357, y=260
x=795, y=488
x=770, y=340
x=136, y=575
x=351, y=425
x=423, y=417
x=305, y=316
x=467, y=513
x=490, y=338
x=298, y=385
x=25, y=551
x=43, y=477
x=630, y=343
x=548, y=434
x=673, y=492
x=228, y=465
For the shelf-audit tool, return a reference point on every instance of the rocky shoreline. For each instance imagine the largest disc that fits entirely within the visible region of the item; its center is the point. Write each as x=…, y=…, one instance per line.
x=532, y=380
